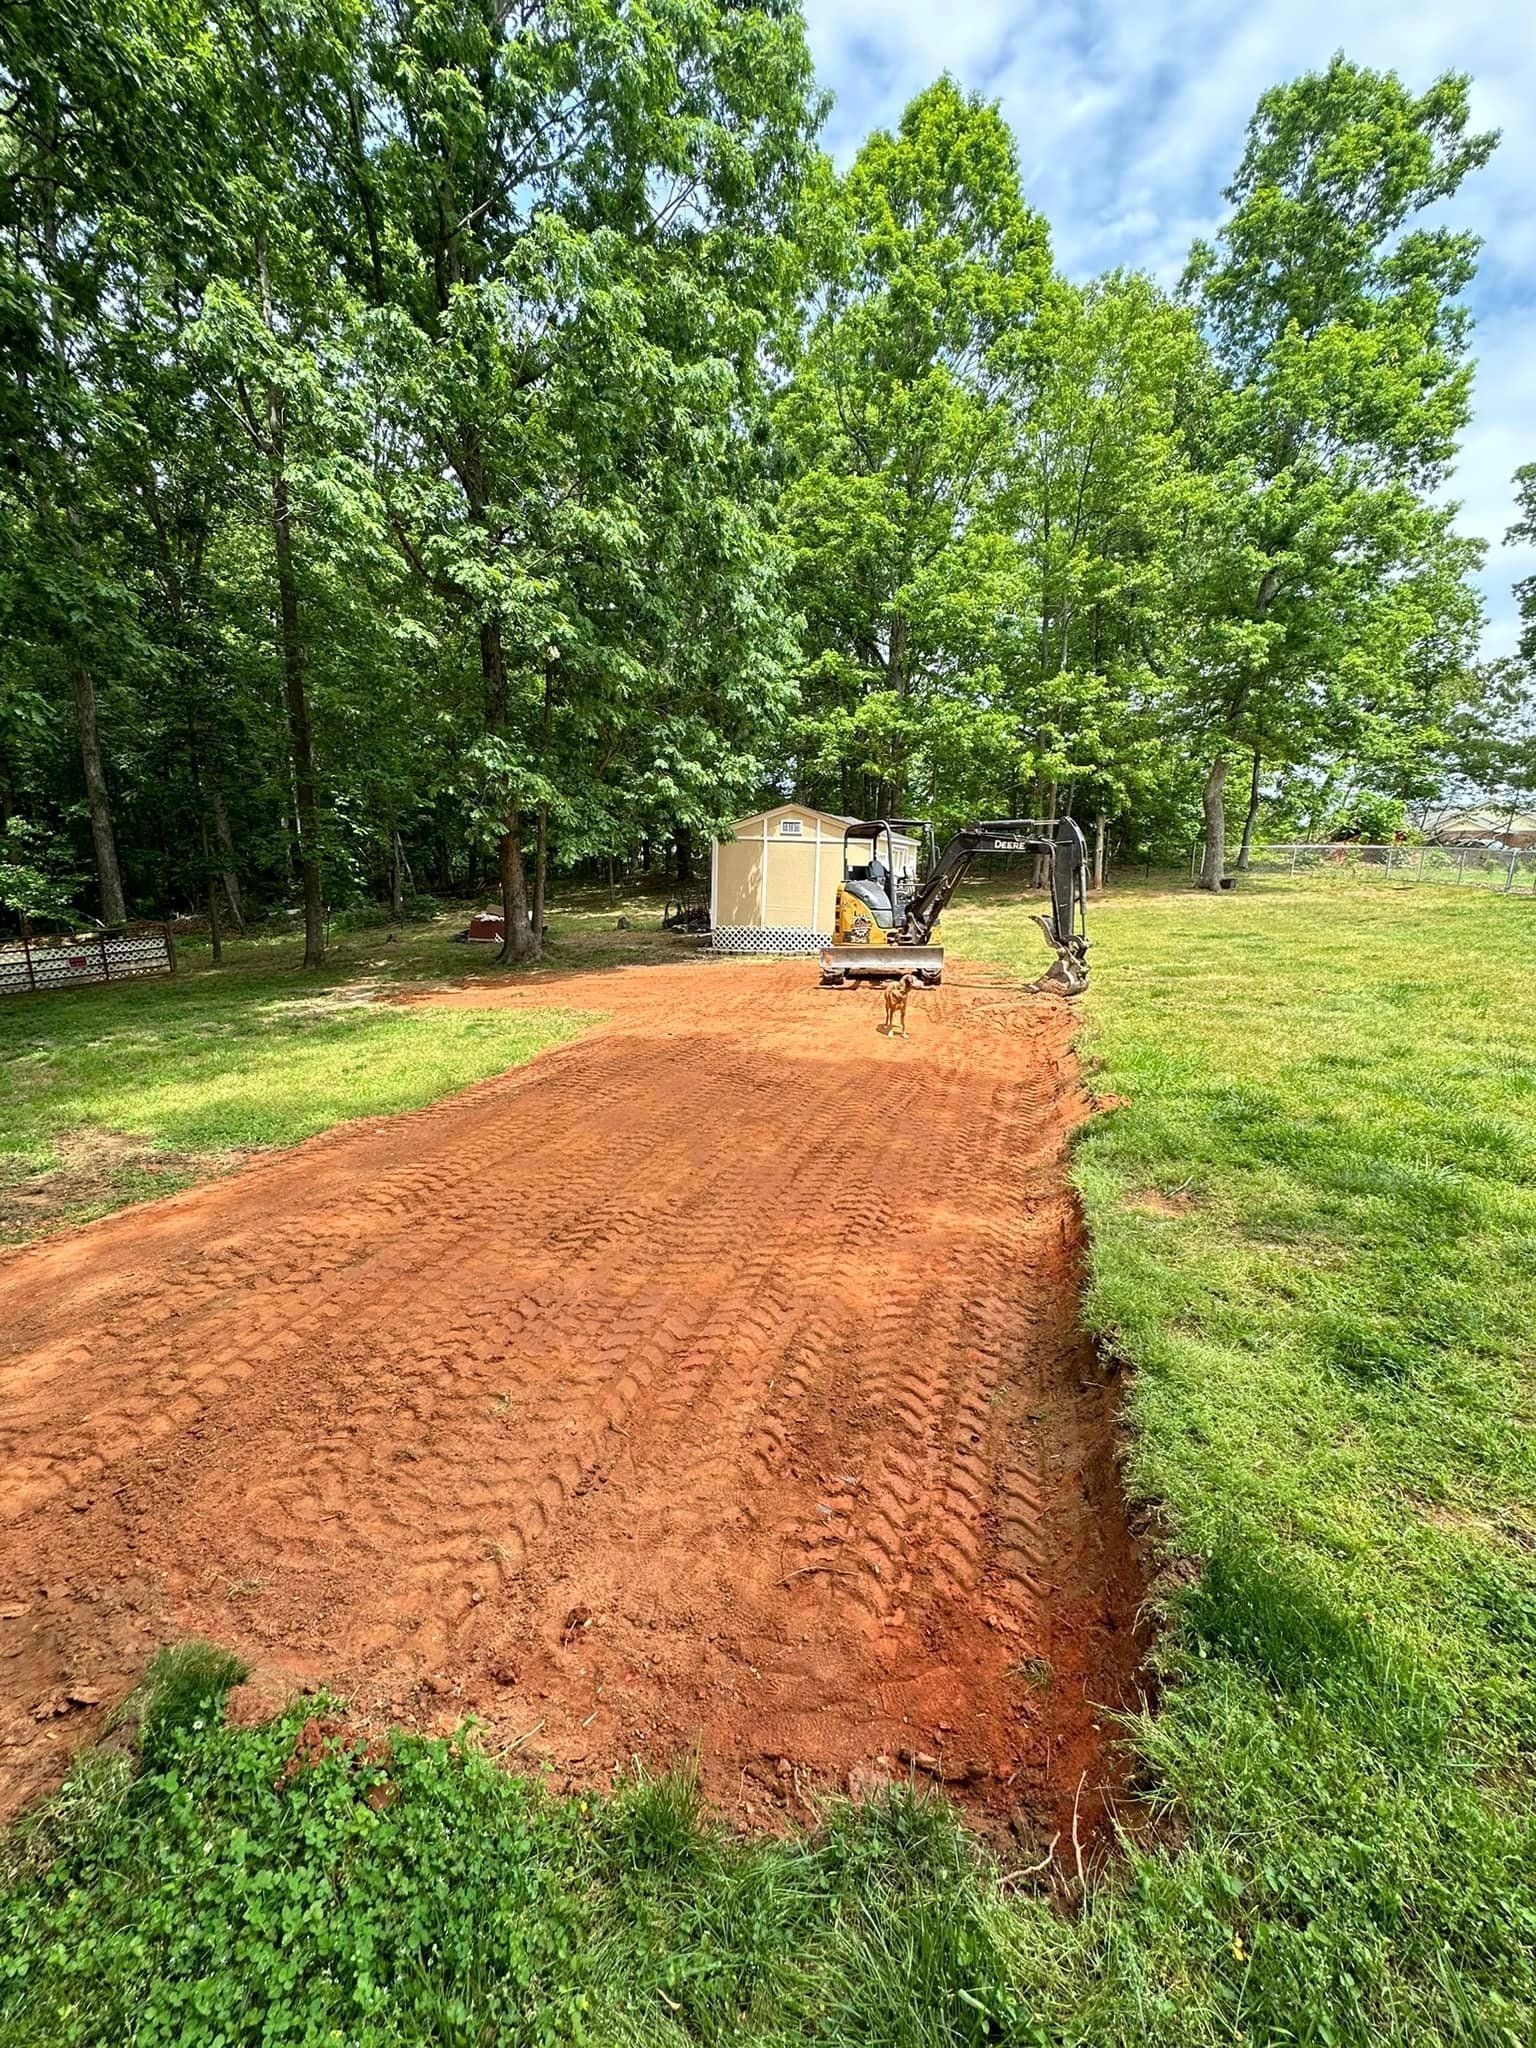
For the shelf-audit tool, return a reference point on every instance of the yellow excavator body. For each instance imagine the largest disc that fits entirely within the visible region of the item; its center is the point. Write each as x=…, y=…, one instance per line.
x=854, y=926
x=862, y=951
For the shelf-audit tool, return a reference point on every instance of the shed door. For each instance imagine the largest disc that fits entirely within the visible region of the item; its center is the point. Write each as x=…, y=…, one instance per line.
x=789, y=901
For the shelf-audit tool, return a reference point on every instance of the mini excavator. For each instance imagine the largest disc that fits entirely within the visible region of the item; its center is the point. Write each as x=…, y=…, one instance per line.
x=887, y=922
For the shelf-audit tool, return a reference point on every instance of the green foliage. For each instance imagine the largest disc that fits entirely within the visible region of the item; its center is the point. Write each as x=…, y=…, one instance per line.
x=1332, y=611
x=1100, y=502
x=527, y=447
x=418, y=1893
x=1061, y=546
x=31, y=881
x=1524, y=532
x=399, y=466
x=581, y=245
x=896, y=428
x=1370, y=817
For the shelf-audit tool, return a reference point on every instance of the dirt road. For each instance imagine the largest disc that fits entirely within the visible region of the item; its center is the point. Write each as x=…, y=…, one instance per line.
x=712, y=1383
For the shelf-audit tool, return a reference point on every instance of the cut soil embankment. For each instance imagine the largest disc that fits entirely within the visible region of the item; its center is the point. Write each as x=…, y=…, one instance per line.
x=711, y=1386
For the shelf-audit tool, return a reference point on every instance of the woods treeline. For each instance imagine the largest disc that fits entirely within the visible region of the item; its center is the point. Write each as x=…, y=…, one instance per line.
x=449, y=442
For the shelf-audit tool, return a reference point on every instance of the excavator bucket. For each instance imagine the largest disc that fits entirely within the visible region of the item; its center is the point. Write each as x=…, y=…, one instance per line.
x=1067, y=974
x=840, y=964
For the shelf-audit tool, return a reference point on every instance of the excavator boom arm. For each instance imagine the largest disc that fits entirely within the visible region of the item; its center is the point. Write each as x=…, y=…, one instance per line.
x=1059, y=842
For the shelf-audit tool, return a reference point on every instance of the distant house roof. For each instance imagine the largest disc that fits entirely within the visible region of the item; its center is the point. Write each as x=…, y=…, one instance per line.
x=1482, y=822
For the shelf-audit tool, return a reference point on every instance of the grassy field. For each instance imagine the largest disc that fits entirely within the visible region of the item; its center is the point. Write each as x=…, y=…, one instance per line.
x=1314, y=1236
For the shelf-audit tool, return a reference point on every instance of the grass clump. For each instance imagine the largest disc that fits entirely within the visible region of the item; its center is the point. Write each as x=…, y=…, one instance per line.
x=266, y=1885
x=182, y=1692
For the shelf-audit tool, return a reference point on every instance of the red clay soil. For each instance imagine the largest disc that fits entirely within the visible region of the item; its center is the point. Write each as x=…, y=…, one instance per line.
x=711, y=1386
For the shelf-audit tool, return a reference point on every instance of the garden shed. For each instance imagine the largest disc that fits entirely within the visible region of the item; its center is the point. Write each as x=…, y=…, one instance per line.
x=773, y=883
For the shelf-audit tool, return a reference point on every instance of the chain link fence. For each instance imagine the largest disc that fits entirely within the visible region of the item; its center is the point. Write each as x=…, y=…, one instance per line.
x=1473, y=867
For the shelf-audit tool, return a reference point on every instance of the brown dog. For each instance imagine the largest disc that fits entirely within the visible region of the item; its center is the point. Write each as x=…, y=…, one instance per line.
x=896, y=1007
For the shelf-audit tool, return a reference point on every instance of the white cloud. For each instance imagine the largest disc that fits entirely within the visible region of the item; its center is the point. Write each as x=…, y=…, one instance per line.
x=1130, y=120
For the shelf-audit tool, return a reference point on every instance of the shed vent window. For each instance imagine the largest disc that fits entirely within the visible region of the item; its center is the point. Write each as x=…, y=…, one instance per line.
x=791, y=828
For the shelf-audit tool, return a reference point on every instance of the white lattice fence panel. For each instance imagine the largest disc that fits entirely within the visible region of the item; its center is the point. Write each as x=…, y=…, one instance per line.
x=67, y=963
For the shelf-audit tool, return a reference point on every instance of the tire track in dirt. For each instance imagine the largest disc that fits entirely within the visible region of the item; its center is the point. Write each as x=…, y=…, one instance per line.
x=710, y=1385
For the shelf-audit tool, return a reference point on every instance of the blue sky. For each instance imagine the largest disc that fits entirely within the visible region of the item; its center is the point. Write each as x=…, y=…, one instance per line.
x=1130, y=120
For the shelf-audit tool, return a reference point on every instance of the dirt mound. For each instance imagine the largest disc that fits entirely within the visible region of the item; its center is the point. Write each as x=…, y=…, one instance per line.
x=711, y=1385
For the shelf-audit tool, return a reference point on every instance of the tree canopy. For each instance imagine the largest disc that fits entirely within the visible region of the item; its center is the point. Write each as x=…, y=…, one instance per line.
x=459, y=441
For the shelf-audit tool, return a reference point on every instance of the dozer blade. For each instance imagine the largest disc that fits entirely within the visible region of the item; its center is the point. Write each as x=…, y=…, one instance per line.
x=840, y=964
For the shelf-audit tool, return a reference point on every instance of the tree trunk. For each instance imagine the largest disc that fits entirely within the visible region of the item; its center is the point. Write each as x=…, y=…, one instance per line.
x=396, y=877
x=306, y=808
x=1098, y=854
x=109, y=877
x=682, y=839
x=210, y=880
x=215, y=937
x=1251, y=820
x=540, y=869
x=286, y=827
x=226, y=846
x=517, y=946
x=1214, y=805
x=113, y=908
x=518, y=942
x=296, y=697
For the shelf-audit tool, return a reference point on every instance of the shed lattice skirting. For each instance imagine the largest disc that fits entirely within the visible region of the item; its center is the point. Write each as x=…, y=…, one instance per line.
x=742, y=938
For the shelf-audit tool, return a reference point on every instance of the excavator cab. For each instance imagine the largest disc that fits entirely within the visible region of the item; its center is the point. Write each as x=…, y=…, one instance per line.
x=876, y=890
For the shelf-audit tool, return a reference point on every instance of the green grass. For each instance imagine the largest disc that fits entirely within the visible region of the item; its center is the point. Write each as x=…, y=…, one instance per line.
x=1334, y=1093
x=1314, y=1235
x=220, y=1892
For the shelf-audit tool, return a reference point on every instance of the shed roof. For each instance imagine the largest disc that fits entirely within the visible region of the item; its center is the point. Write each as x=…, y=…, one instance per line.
x=836, y=819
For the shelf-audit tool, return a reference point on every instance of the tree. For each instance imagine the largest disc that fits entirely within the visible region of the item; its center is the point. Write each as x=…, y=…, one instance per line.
x=71, y=77
x=1344, y=384
x=271, y=332
x=33, y=879
x=467, y=431
x=577, y=218
x=1523, y=533
x=897, y=428
x=1097, y=497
